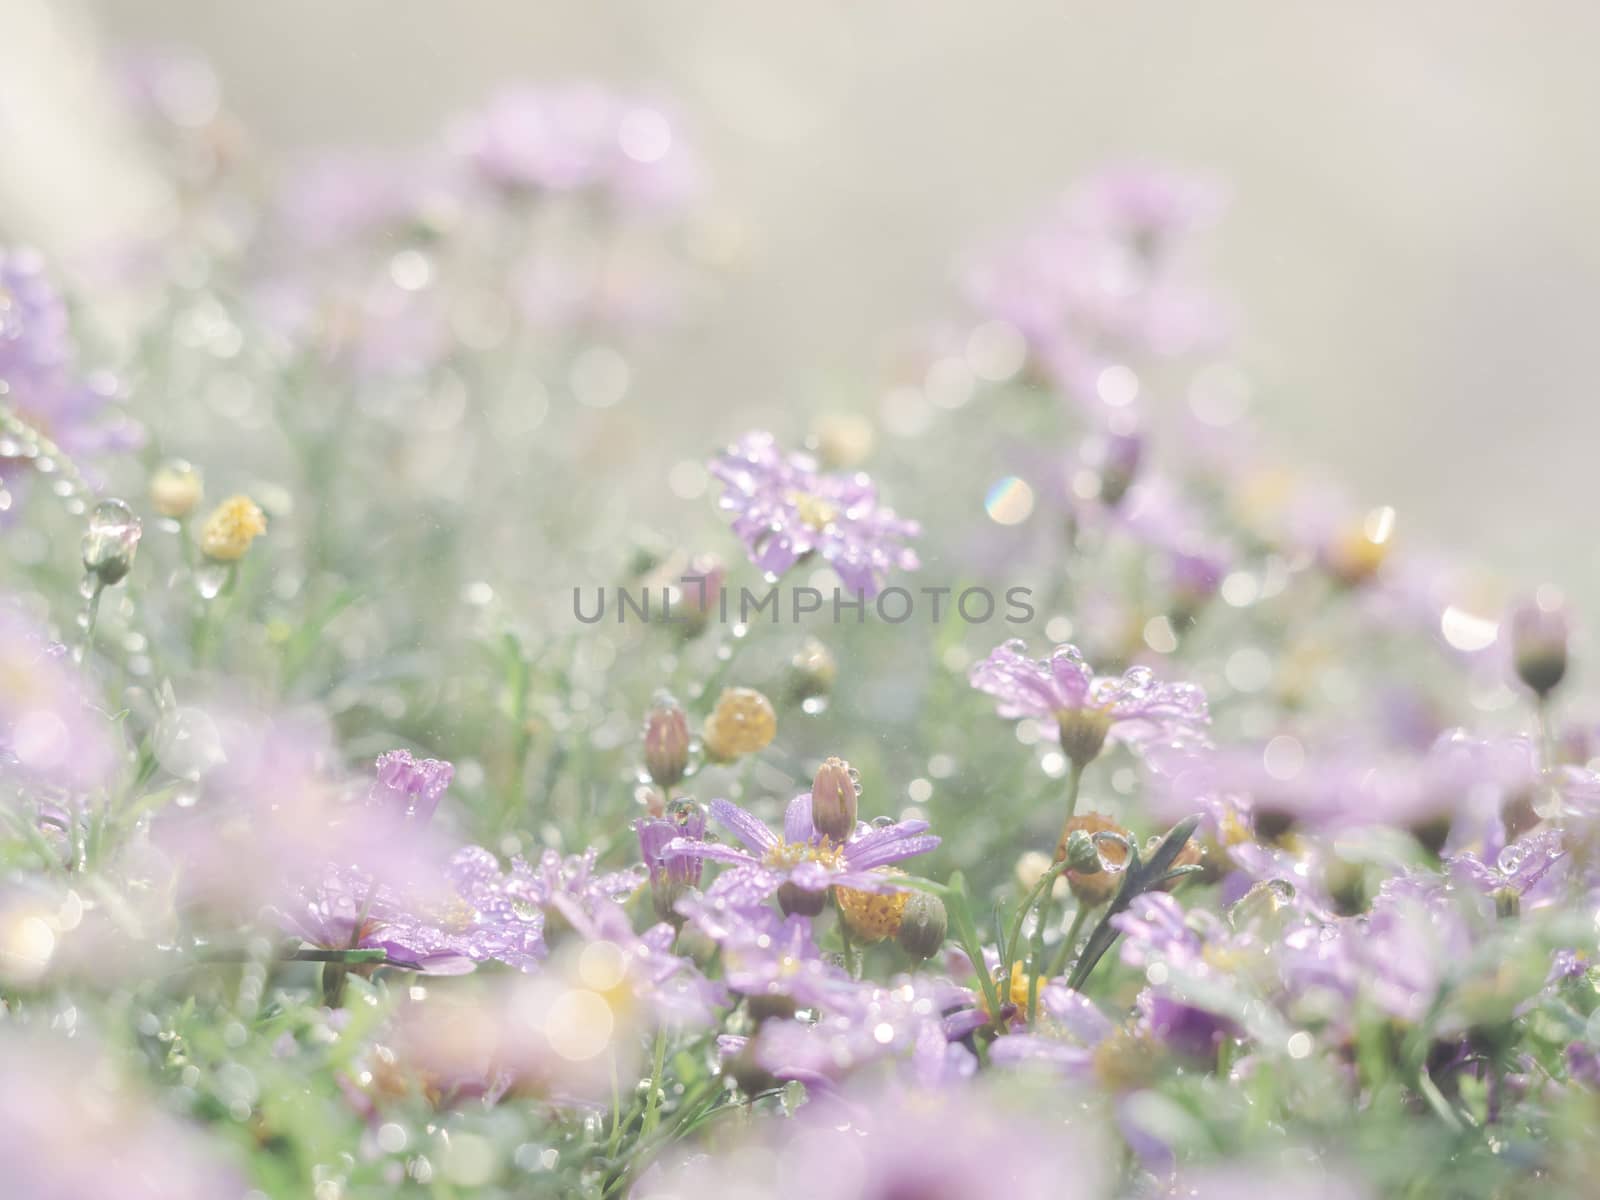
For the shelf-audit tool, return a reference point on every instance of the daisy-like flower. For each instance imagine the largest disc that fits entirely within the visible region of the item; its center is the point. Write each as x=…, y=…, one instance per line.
x=1084, y=708
x=800, y=865
x=785, y=510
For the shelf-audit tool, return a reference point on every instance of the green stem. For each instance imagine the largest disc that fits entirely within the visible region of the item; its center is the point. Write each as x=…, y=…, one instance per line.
x=1059, y=963
x=1074, y=779
x=652, y=1104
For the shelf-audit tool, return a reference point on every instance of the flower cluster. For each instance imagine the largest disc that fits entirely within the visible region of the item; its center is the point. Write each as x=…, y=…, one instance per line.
x=336, y=862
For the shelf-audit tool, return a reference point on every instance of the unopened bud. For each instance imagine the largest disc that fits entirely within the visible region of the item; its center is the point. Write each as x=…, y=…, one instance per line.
x=230, y=529
x=1116, y=458
x=843, y=440
x=699, y=592
x=923, y=925
x=742, y=723
x=1081, y=855
x=666, y=742
x=110, y=542
x=1539, y=635
x=1083, y=733
x=175, y=489
x=812, y=671
x=834, y=798
x=1097, y=886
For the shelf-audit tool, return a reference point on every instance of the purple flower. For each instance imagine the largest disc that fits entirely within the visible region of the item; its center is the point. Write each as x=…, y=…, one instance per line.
x=466, y=916
x=409, y=789
x=51, y=734
x=579, y=139
x=670, y=986
x=901, y=1142
x=1529, y=870
x=572, y=879
x=1063, y=693
x=785, y=510
x=911, y=1020
x=800, y=861
x=671, y=877
x=37, y=376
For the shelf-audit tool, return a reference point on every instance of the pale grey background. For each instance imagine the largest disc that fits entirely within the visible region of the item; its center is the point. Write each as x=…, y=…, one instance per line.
x=1413, y=239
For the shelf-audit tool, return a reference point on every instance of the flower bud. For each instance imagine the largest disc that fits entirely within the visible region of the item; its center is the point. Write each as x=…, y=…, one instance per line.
x=1083, y=733
x=1354, y=554
x=175, y=489
x=742, y=723
x=923, y=925
x=812, y=671
x=871, y=916
x=230, y=529
x=1081, y=854
x=1195, y=577
x=834, y=797
x=1116, y=458
x=666, y=742
x=1539, y=641
x=843, y=441
x=110, y=542
x=797, y=901
x=1097, y=886
x=698, y=592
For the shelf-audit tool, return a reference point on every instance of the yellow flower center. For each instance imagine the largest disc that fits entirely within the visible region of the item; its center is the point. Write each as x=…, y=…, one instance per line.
x=872, y=916
x=791, y=854
x=814, y=510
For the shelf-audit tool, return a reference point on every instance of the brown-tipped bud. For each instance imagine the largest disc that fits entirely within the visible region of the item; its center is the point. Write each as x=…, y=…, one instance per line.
x=923, y=925
x=110, y=542
x=835, y=794
x=1083, y=734
x=666, y=742
x=1095, y=887
x=742, y=723
x=1539, y=635
x=175, y=489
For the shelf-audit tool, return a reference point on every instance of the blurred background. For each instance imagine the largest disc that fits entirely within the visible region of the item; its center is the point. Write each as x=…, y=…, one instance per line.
x=1411, y=245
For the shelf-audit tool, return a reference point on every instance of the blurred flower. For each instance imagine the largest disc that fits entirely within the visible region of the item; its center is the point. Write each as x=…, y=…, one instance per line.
x=784, y=510
x=175, y=489
x=580, y=139
x=742, y=723
x=58, y=1097
x=231, y=527
x=51, y=734
x=1062, y=693
x=38, y=379
x=887, y=1145
x=1539, y=632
